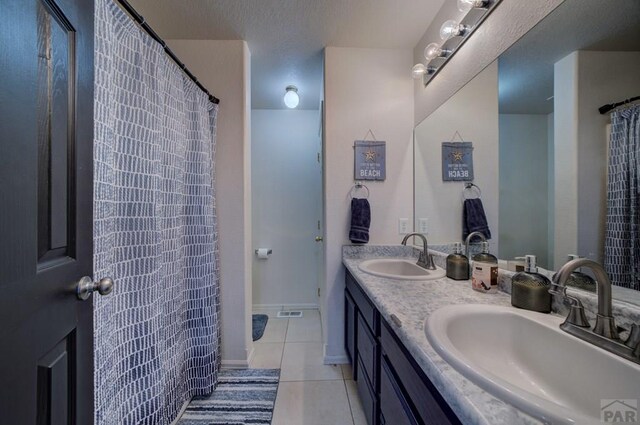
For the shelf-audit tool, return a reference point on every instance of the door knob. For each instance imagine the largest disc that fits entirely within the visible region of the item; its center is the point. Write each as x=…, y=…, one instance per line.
x=319, y=239
x=86, y=286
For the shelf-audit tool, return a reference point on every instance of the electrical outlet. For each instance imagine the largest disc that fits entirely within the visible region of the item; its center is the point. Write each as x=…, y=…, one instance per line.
x=403, y=226
x=423, y=226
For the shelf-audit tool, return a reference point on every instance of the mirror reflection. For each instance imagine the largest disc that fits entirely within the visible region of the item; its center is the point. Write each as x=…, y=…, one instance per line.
x=541, y=147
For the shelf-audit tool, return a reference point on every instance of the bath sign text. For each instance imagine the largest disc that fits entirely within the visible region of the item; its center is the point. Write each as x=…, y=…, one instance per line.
x=369, y=160
x=457, y=161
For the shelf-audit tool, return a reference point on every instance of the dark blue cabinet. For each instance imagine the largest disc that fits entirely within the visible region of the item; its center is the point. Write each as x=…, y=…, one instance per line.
x=350, y=327
x=393, y=404
x=391, y=385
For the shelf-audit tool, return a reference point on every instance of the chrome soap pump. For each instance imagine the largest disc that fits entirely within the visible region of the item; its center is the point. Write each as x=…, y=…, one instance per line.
x=457, y=264
x=530, y=289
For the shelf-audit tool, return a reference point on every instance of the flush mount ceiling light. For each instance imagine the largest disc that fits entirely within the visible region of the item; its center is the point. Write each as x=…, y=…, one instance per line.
x=291, y=98
x=454, y=33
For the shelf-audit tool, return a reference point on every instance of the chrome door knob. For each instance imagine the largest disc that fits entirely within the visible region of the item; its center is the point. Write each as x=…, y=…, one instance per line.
x=86, y=286
x=319, y=239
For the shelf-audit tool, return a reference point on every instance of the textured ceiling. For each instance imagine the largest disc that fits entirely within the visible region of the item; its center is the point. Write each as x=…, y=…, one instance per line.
x=526, y=69
x=286, y=37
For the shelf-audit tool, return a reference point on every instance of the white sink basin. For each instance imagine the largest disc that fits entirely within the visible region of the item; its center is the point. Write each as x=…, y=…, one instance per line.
x=393, y=268
x=523, y=358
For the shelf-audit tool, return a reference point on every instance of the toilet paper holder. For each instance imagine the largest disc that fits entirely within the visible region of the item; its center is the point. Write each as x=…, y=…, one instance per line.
x=269, y=252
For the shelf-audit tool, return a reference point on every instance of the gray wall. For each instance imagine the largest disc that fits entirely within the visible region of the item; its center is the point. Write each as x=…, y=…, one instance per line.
x=524, y=186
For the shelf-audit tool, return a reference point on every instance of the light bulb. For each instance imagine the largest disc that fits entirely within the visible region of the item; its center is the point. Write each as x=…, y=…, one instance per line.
x=467, y=5
x=291, y=98
x=451, y=29
x=432, y=51
x=418, y=71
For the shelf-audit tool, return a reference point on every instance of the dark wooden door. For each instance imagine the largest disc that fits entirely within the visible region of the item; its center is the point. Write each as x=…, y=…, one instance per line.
x=46, y=174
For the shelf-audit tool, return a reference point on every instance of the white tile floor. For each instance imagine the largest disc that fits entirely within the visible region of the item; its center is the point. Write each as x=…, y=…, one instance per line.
x=310, y=392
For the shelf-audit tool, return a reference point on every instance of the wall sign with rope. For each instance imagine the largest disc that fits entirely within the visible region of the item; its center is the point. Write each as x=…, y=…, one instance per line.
x=457, y=160
x=369, y=158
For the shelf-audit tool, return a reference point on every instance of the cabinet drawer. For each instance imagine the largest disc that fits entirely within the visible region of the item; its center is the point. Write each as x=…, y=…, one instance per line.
x=425, y=401
x=363, y=304
x=367, y=395
x=367, y=351
x=392, y=401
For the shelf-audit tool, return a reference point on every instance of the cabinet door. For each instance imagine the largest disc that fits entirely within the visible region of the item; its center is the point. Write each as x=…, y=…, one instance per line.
x=392, y=402
x=426, y=402
x=367, y=395
x=368, y=352
x=350, y=328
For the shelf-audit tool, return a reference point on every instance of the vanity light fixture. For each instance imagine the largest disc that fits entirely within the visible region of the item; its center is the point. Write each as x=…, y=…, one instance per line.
x=451, y=28
x=454, y=33
x=433, y=50
x=291, y=98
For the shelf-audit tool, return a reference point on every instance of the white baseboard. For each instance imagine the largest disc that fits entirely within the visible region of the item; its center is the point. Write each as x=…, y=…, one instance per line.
x=235, y=364
x=239, y=364
x=339, y=359
x=309, y=306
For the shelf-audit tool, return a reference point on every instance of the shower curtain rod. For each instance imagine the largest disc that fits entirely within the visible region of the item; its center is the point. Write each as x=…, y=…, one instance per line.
x=140, y=20
x=607, y=108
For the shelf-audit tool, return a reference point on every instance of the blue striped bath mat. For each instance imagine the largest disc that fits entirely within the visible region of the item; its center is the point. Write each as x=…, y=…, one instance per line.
x=242, y=397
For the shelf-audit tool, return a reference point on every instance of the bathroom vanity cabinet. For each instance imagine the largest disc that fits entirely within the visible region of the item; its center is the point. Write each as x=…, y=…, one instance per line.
x=392, y=387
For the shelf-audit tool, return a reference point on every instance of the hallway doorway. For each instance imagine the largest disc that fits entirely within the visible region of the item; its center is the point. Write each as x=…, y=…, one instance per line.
x=286, y=166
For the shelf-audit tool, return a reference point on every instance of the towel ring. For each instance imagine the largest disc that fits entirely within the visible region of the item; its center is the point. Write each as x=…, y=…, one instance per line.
x=356, y=187
x=469, y=189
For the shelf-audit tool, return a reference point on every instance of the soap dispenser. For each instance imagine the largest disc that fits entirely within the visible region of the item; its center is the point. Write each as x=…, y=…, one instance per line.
x=530, y=289
x=484, y=276
x=457, y=264
x=485, y=256
x=579, y=280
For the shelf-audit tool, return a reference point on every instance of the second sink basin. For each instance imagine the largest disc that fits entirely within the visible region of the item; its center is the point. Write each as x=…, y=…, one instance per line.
x=525, y=359
x=402, y=269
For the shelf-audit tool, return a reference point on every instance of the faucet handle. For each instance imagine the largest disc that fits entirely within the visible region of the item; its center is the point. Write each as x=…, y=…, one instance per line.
x=560, y=290
x=431, y=265
x=633, y=341
x=576, y=314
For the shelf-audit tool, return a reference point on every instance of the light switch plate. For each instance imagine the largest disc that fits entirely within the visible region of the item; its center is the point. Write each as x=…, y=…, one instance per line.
x=423, y=226
x=403, y=226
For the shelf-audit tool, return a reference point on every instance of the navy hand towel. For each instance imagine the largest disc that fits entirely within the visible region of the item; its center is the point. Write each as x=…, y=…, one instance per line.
x=474, y=218
x=360, y=220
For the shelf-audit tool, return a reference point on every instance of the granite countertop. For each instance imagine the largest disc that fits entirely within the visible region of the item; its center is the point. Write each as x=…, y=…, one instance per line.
x=412, y=302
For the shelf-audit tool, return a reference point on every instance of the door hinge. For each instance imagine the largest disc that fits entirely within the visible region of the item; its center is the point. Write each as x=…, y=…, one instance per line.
x=318, y=156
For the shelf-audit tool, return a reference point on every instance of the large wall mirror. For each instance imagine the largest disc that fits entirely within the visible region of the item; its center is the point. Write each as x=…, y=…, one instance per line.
x=540, y=144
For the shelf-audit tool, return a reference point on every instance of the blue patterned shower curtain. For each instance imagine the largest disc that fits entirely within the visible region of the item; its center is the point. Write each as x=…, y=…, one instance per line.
x=157, y=336
x=622, y=241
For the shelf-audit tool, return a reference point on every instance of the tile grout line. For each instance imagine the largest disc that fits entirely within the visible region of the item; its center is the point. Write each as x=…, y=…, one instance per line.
x=280, y=381
x=284, y=345
x=344, y=382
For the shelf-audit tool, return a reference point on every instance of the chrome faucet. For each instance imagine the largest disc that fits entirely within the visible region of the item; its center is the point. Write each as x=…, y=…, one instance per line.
x=466, y=245
x=605, y=332
x=425, y=260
